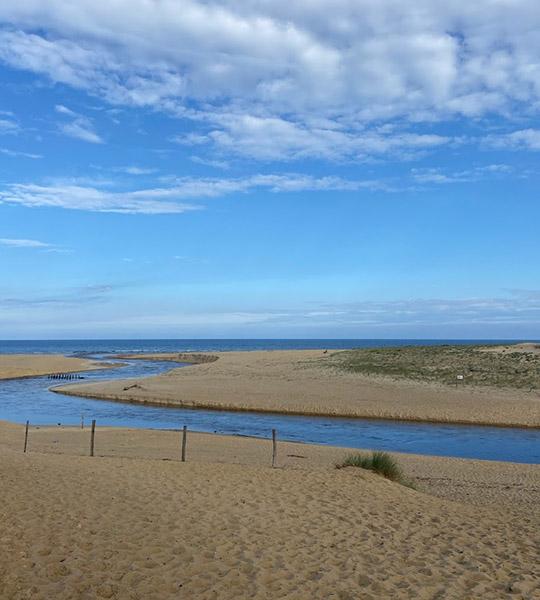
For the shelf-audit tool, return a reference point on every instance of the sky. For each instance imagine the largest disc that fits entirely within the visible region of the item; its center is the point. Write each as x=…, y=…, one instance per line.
x=269, y=169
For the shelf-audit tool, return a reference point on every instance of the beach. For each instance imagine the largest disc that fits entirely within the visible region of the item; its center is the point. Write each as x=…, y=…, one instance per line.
x=134, y=522
x=14, y=366
x=299, y=382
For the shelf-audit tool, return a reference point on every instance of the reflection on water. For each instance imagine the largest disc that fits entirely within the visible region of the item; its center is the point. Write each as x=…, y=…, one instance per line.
x=30, y=399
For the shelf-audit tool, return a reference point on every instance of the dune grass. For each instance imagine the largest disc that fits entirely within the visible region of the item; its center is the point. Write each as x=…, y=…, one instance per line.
x=441, y=364
x=381, y=463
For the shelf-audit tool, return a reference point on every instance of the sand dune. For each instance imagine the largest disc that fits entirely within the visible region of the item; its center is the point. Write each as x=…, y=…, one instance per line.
x=296, y=381
x=144, y=528
x=32, y=365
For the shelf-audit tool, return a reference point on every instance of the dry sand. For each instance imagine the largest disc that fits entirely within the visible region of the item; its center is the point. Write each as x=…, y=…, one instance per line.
x=137, y=527
x=296, y=381
x=14, y=366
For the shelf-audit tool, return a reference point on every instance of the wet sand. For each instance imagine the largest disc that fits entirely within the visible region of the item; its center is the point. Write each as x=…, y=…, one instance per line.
x=135, y=523
x=297, y=382
x=14, y=366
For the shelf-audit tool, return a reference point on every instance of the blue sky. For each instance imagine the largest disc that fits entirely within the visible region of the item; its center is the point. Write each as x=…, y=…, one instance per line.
x=308, y=169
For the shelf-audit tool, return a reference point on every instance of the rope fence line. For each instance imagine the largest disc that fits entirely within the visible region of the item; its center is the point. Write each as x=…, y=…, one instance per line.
x=183, y=443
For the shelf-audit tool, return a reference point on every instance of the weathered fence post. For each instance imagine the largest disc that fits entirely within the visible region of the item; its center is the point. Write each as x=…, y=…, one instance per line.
x=92, y=434
x=184, y=441
x=82, y=421
x=274, y=448
x=26, y=437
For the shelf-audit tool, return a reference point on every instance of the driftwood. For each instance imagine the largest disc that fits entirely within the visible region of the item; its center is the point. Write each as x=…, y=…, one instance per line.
x=135, y=385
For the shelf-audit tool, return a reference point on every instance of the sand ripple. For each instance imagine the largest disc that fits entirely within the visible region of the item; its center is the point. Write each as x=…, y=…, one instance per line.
x=77, y=527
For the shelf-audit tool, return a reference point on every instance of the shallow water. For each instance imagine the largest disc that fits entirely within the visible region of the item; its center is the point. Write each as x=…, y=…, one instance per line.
x=31, y=399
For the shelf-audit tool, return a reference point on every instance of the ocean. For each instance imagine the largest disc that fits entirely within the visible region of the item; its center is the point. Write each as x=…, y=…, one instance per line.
x=89, y=347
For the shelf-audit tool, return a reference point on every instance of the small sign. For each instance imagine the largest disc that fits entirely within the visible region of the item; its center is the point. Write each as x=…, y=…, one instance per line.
x=460, y=377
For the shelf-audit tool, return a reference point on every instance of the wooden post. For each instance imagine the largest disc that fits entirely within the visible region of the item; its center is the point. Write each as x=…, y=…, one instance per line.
x=26, y=437
x=82, y=421
x=184, y=441
x=92, y=434
x=274, y=448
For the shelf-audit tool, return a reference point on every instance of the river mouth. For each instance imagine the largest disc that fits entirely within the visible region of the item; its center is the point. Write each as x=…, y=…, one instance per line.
x=30, y=399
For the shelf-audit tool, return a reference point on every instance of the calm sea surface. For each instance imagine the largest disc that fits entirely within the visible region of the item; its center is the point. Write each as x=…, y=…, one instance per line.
x=78, y=347
x=31, y=399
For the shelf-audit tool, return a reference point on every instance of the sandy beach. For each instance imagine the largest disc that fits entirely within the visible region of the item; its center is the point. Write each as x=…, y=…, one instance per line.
x=248, y=249
x=14, y=366
x=298, y=382
x=133, y=522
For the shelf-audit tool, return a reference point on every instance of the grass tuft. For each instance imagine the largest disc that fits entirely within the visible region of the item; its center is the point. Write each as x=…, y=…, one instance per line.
x=378, y=462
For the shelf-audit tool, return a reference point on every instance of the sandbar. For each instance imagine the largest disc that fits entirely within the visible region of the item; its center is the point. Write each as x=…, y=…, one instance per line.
x=15, y=366
x=297, y=382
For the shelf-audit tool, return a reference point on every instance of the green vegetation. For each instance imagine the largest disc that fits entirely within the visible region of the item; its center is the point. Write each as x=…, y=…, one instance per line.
x=378, y=462
x=479, y=365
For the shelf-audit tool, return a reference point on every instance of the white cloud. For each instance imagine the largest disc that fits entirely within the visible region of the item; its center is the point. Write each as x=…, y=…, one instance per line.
x=80, y=127
x=170, y=199
x=523, y=139
x=92, y=199
x=286, y=80
x=134, y=170
x=60, y=108
x=518, y=307
x=191, y=187
x=8, y=126
x=115, y=76
x=217, y=164
x=272, y=138
x=22, y=243
x=81, y=131
x=36, y=244
x=437, y=175
x=190, y=139
x=17, y=154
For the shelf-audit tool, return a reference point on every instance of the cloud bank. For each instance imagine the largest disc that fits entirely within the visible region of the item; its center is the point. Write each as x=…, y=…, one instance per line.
x=284, y=81
x=515, y=311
